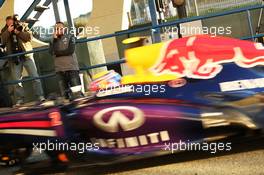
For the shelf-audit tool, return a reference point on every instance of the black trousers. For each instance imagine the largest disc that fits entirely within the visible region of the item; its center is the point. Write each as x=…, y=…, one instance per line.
x=5, y=99
x=67, y=80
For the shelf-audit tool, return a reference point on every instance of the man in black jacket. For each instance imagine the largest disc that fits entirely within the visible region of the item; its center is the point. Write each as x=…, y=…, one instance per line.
x=62, y=47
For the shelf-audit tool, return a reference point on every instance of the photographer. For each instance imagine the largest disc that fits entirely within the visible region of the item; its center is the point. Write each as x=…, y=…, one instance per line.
x=66, y=65
x=16, y=36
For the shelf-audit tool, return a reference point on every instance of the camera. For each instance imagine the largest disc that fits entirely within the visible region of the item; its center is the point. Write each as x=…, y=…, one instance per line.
x=17, y=23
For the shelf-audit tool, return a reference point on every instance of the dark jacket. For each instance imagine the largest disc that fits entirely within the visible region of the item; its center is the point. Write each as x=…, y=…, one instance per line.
x=63, y=46
x=62, y=49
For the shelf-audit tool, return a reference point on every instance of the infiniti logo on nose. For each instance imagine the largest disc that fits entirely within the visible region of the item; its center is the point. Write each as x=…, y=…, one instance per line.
x=118, y=119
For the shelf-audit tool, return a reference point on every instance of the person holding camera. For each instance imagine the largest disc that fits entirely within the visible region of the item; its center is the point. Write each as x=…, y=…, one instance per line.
x=17, y=37
x=62, y=47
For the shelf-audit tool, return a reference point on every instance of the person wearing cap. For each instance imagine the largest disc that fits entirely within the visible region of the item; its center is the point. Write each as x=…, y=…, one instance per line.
x=17, y=37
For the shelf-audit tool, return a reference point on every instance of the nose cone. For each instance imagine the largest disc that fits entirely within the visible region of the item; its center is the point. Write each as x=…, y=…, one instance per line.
x=141, y=58
x=135, y=42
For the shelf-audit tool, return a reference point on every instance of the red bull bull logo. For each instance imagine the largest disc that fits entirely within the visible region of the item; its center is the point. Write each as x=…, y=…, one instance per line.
x=202, y=56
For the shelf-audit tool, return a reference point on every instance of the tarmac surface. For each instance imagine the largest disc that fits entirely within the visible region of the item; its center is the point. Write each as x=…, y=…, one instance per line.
x=247, y=163
x=246, y=158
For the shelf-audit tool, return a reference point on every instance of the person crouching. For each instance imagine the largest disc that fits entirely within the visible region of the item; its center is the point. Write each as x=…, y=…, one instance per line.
x=62, y=47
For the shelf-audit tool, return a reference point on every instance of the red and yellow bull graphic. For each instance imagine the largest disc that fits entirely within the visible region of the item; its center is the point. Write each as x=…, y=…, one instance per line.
x=199, y=57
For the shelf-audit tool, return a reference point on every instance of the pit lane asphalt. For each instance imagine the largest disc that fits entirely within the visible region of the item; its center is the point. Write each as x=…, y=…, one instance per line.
x=249, y=163
x=246, y=158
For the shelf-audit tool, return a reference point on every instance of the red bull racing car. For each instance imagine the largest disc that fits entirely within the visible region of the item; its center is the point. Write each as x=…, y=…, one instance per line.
x=194, y=90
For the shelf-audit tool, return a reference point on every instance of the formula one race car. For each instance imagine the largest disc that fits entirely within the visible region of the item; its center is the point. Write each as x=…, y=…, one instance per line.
x=186, y=91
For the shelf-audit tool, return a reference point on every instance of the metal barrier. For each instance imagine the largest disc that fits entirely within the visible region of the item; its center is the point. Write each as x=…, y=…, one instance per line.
x=153, y=27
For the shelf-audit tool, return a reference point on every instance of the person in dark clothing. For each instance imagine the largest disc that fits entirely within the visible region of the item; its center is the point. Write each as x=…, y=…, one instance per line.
x=62, y=47
x=5, y=99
